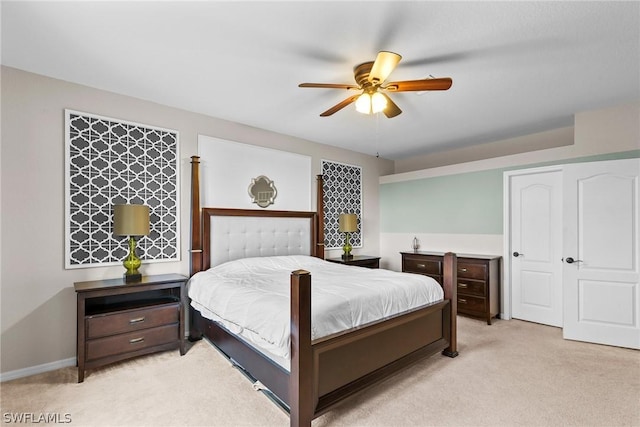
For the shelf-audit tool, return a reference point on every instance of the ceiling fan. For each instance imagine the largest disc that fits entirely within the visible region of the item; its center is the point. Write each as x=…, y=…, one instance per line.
x=371, y=80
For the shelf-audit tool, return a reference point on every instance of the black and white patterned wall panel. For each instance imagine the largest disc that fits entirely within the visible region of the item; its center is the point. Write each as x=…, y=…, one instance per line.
x=109, y=162
x=342, y=185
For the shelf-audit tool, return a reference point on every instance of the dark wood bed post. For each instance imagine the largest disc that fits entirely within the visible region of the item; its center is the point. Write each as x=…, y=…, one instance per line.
x=320, y=217
x=195, y=331
x=302, y=401
x=450, y=286
x=196, y=217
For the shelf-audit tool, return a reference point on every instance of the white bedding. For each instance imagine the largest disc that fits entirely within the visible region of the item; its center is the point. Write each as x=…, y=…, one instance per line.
x=250, y=297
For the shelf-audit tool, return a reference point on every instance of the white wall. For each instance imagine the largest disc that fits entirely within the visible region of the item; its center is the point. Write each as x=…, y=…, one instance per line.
x=226, y=180
x=38, y=302
x=610, y=130
x=522, y=144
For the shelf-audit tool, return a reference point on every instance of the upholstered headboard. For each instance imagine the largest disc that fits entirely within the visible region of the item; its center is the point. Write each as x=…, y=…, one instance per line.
x=240, y=233
x=233, y=237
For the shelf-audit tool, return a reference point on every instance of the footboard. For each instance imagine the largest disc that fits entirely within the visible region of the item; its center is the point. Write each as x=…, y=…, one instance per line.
x=346, y=364
x=332, y=368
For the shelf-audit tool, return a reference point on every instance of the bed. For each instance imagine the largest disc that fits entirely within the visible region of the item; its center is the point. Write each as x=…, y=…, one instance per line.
x=315, y=373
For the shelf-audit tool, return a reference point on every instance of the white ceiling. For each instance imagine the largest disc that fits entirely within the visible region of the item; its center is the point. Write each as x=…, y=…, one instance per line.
x=517, y=67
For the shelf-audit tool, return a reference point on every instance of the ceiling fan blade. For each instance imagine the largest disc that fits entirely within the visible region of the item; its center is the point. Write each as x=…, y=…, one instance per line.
x=329, y=85
x=382, y=67
x=443, y=83
x=340, y=106
x=391, y=110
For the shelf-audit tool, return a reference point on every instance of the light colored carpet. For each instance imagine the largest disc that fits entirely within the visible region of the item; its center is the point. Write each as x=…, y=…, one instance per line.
x=511, y=373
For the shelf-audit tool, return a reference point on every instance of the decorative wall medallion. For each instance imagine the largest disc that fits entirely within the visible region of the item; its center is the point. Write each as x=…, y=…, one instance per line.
x=110, y=162
x=262, y=191
x=342, y=185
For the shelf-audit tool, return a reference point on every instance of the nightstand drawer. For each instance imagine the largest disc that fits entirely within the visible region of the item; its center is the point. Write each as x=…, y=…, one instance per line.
x=134, y=341
x=103, y=325
x=472, y=271
x=469, y=303
x=472, y=287
x=422, y=266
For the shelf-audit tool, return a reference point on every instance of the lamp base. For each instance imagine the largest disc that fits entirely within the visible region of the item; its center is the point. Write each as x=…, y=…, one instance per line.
x=131, y=278
x=346, y=249
x=132, y=263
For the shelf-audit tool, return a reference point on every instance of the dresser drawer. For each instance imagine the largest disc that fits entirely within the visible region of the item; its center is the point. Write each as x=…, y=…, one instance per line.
x=416, y=264
x=469, y=270
x=132, y=320
x=472, y=287
x=469, y=303
x=133, y=341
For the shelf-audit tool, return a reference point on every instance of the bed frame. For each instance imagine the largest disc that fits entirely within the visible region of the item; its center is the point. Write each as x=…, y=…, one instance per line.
x=325, y=371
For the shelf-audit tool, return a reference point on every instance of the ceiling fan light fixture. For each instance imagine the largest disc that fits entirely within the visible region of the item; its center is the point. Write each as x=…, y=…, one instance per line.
x=378, y=102
x=371, y=103
x=363, y=104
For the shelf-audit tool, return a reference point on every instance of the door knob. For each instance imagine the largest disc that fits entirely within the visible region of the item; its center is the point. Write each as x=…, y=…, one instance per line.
x=571, y=260
x=517, y=254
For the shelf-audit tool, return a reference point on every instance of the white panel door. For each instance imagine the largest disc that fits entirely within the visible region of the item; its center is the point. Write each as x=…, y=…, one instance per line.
x=601, y=274
x=536, y=247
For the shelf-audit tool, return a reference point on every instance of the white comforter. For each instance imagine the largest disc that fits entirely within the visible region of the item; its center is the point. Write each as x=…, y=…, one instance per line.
x=251, y=297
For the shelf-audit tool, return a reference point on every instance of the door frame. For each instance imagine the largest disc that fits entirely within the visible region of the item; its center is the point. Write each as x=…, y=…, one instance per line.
x=505, y=294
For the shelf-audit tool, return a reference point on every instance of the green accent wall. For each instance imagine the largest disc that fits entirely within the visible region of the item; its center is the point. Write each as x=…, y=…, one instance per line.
x=466, y=203
x=469, y=203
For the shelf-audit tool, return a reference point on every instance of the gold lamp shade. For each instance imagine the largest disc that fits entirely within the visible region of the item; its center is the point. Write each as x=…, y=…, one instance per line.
x=131, y=220
x=348, y=223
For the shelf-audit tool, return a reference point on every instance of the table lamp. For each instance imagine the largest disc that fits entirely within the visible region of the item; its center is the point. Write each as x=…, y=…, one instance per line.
x=132, y=221
x=347, y=223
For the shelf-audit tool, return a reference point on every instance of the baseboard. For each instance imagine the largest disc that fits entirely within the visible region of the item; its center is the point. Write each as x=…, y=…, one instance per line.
x=39, y=369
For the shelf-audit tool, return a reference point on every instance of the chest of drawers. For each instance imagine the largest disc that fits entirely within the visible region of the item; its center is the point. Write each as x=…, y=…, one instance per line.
x=478, y=280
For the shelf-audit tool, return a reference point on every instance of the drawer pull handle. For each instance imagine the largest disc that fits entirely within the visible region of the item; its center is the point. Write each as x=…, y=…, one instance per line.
x=462, y=285
x=136, y=340
x=136, y=320
x=462, y=301
x=463, y=270
x=420, y=265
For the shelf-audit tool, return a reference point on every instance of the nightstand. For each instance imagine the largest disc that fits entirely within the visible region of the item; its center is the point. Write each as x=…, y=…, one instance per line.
x=358, y=260
x=119, y=320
